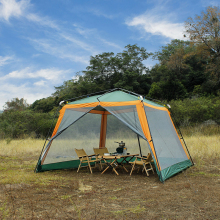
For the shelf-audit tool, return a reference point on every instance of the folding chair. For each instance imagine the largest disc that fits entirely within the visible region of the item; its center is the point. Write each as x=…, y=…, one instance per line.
x=100, y=152
x=142, y=162
x=86, y=159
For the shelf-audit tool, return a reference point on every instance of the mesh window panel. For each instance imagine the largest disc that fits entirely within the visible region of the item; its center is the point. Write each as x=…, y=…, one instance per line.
x=168, y=147
x=84, y=133
x=70, y=116
x=117, y=131
x=129, y=116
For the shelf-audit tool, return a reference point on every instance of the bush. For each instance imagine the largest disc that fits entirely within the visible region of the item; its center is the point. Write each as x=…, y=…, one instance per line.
x=197, y=110
x=18, y=124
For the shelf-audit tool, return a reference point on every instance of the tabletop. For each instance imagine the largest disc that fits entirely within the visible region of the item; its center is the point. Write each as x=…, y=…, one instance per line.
x=117, y=156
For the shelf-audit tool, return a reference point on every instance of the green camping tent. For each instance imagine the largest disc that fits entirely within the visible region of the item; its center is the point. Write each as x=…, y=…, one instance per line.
x=93, y=120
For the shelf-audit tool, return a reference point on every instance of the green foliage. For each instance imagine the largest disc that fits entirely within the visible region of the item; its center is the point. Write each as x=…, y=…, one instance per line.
x=18, y=124
x=167, y=90
x=196, y=110
x=43, y=105
x=16, y=104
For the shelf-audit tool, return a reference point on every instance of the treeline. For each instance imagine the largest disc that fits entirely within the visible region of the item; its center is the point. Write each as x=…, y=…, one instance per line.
x=187, y=75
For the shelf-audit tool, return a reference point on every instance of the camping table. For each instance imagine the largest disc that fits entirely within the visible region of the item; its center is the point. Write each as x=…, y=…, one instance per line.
x=114, y=161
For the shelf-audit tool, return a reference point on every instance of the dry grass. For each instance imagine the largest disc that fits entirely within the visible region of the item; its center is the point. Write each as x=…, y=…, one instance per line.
x=67, y=194
x=204, y=147
x=21, y=148
x=23, y=154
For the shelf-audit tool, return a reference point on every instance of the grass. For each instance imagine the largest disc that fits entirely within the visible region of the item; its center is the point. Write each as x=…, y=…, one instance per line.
x=204, y=147
x=21, y=148
x=77, y=193
x=22, y=156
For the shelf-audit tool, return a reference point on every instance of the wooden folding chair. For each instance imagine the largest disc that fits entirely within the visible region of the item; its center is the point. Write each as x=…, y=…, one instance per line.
x=86, y=159
x=142, y=162
x=100, y=152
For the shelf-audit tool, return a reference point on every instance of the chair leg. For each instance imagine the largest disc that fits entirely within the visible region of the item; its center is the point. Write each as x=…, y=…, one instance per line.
x=132, y=169
x=152, y=168
x=100, y=165
x=145, y=169
x=79, y=166
x=90, y=167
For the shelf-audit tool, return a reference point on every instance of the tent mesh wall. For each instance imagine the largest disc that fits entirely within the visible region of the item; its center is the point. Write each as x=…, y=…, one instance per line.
x=85, y=133
x=118, y=131
x=70, y=116
x=128, y=115
x=167, y=144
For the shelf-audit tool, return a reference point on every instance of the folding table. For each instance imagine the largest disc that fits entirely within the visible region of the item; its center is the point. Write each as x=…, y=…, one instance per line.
x=115, y=161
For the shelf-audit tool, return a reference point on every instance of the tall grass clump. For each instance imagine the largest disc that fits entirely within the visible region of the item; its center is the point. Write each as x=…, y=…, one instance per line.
x=21, y=147
x=204, y=147
x=203, y=142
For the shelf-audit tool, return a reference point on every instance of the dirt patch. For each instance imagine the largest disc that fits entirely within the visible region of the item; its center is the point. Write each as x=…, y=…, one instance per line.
x=193, y=194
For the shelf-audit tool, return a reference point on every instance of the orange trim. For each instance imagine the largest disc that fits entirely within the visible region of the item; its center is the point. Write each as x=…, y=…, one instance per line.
x=103, y=130
x=99, y=112
x=155, y=107
x=109, y=104
x=144, y=125
x=62, y=111
x=84, y=105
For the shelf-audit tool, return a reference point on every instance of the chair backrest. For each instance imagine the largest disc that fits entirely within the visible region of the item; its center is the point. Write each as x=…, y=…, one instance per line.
x=80, y=152
x=100, y=151
x=148, y=158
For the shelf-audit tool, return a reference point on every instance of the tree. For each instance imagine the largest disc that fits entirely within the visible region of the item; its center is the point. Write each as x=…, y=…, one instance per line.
x=43, y=105
x=107, y=71
x=204, y=32
x=205, y=29
x=131, y=72
x=185, y=62
x=166, y=51
x=16, y=104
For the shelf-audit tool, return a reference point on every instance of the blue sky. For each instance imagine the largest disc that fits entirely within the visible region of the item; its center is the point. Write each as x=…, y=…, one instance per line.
x=46, y=42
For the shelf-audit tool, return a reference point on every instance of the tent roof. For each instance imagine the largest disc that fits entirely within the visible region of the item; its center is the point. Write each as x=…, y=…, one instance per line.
x=115, y=96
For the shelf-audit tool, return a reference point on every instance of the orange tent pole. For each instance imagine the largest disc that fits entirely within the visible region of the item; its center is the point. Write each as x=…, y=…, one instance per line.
x=144, y=124
x=103, y=130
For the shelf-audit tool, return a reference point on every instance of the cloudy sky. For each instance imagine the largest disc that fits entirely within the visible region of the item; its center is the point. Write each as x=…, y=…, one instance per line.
x=45, y=42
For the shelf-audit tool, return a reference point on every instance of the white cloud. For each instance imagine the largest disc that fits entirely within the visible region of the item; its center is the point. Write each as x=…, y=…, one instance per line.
x=111, y=44
x=43, y=21
x=29, y=92
x=40, y=83
x=52, y=74
x=59, y=50
x=89, y=34
x=158, y=22
x=78, y=43
x=99, y=13
x=4, y=60
x=43, y=85
x=16, y=8
x=12, y=8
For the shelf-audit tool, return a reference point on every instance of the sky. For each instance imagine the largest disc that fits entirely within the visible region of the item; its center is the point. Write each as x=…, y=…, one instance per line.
x=46, y=42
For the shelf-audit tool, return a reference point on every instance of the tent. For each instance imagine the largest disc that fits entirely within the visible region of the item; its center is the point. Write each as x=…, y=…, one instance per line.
x=86, y=123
